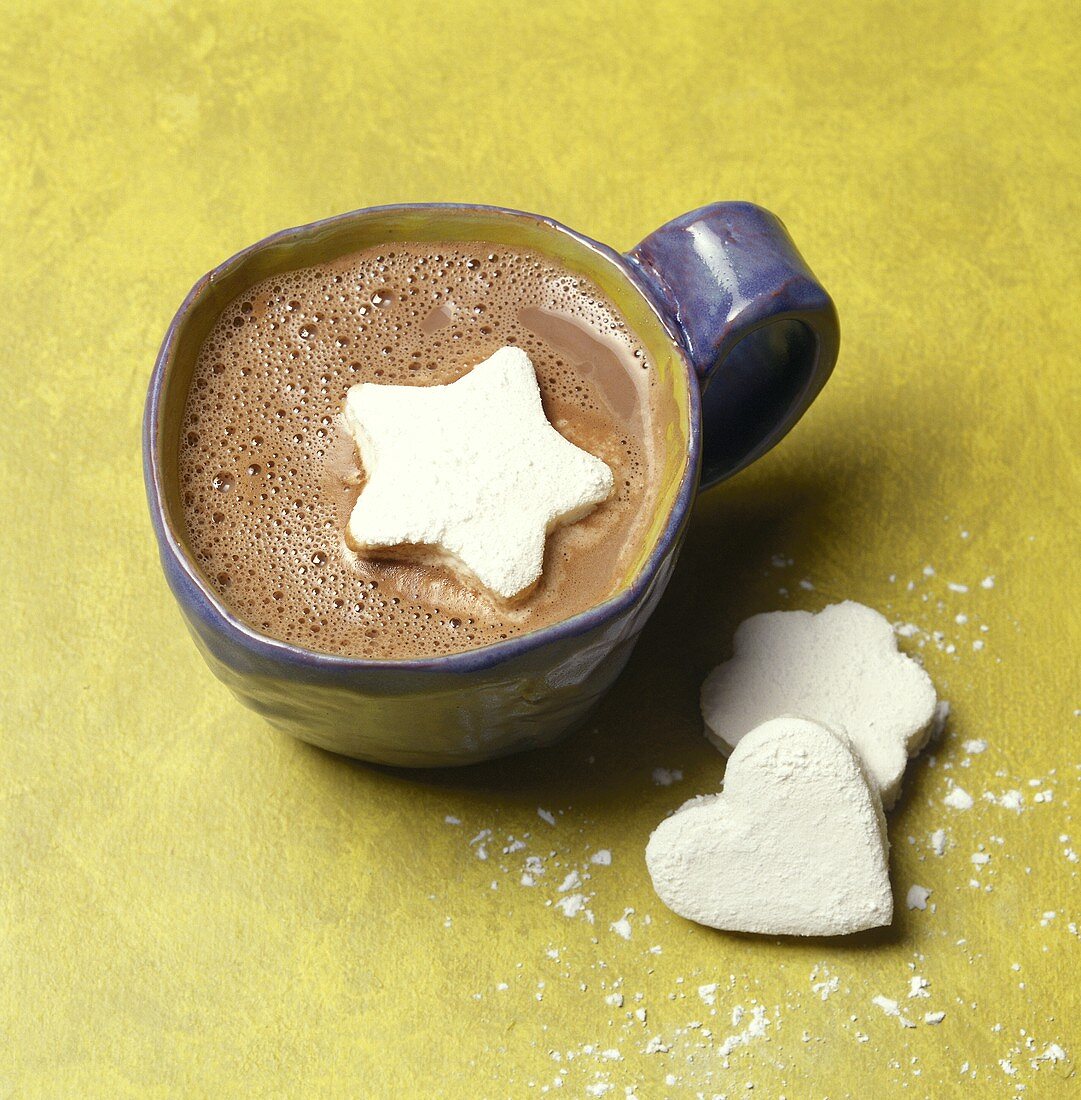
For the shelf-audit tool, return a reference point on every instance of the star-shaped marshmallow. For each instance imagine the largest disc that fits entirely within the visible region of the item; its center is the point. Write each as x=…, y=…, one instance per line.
x=470, y=475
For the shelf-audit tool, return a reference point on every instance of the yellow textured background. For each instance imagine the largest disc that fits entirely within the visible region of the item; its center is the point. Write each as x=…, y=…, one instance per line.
x=191, y=905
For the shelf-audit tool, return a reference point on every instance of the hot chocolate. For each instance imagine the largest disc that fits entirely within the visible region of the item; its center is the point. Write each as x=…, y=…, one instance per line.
x=269, y=470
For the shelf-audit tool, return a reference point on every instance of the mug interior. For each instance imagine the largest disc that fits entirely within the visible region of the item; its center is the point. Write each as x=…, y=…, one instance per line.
x=325, y=241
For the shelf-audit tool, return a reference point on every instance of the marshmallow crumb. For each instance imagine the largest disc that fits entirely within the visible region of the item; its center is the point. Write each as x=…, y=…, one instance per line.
x=572, y=904
x=622, y=927
x=663, y=777
x=958, y=799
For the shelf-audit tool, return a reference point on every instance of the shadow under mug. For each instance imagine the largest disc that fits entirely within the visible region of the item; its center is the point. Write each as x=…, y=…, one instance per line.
x=742, y=338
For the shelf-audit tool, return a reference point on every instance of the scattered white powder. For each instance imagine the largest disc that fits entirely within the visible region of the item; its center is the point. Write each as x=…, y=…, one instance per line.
x=957, y=587
x=695, y=1042
x=479, y=843
x=622, y=927
x=572, y=904
x=663, y=777
x=826, y=988
x=987, y=582
x=959, y=799
x=754, y=1030
x=534, y=865
x=891, y=1008
x=1052, y=1053
x=1008, y=800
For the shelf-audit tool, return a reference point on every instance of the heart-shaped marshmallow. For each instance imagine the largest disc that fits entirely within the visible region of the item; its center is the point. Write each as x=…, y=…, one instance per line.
x=794, y=845
x=840, y=667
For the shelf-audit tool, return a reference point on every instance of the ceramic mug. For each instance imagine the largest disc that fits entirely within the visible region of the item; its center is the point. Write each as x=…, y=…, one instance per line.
x=742, y=338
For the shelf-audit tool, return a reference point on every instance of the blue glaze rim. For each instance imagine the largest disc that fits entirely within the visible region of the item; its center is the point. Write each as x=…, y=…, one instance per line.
x=216, y=615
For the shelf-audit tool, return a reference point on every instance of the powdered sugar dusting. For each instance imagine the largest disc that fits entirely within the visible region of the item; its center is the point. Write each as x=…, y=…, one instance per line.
x=621, y=998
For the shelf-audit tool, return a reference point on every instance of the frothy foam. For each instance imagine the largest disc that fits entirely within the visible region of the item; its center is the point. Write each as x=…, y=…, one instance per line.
x=269, y=473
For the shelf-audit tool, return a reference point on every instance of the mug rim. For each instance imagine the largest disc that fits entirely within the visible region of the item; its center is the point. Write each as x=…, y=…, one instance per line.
x=209, y=607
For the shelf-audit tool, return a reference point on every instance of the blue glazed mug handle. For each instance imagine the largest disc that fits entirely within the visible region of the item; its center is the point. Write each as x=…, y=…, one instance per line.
x=758, y=327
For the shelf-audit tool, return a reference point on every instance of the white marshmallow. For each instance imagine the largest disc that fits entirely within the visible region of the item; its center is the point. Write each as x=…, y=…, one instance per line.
x=840, y=667
x=795, y=844
x=470, y=475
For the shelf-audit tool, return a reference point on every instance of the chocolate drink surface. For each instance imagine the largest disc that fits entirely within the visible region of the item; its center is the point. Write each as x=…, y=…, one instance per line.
x=269, y=472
